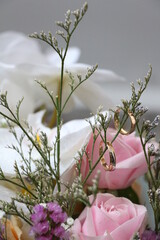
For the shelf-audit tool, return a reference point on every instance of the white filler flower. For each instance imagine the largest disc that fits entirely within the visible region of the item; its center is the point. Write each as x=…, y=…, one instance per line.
x=22, y=61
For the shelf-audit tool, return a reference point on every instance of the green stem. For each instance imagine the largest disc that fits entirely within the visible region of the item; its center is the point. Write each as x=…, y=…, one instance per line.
x=146, y=157
x=58, y=144
x=59, y=113
x=154, y=208
x=66, y=101
x=94, y=166
x=124, y=119
x=156, y=216
x=61, y=87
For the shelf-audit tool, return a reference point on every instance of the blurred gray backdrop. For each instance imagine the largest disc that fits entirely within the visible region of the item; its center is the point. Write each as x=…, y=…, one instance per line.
x=121, y=35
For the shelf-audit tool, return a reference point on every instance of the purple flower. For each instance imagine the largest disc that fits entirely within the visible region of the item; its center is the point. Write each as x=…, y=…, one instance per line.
x=58, y=218
x=41, y=228
x=38, y=217
x=40, y=214
x=45, y=237
x=38, y=208
x=47, y=222
x=59, y=231
x=54, y=207
x=150, y=235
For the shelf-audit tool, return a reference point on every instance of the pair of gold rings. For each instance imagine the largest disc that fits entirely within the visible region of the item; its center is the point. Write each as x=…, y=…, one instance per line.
x=112, y=165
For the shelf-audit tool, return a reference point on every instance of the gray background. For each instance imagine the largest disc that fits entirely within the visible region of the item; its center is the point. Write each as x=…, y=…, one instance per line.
x=121, y=35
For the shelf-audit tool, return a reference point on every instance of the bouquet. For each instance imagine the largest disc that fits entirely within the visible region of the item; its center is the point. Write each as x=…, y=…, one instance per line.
x=78, y=179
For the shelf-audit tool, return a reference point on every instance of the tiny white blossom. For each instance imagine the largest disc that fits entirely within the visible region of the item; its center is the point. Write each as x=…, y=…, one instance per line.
x=70, y=221
x=43, y=205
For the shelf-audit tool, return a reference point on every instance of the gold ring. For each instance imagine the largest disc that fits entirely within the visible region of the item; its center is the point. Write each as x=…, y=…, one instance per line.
x=112, y=165
x=117, y=123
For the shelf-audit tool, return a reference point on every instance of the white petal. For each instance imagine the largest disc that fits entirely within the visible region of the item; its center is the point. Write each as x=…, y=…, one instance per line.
x=72, y=56
x=73, y=126
x=16, y=48
x=75, y=135
x=45, y=74
x=100, y=75
x=6, y=66
x=71, y=144
x=35, y=120
x=93, y=96
x=36, y=69
x=6, y=193
x=26, y=74
x=8, y=156
x=16, y=93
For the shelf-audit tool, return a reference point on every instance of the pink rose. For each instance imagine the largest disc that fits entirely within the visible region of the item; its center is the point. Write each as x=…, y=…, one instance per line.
x=110, y=218
x=130, y=161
